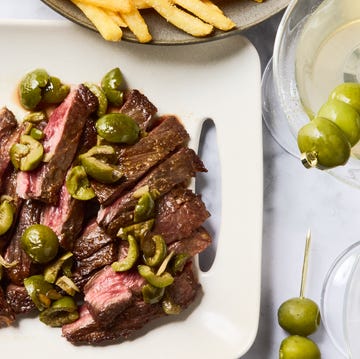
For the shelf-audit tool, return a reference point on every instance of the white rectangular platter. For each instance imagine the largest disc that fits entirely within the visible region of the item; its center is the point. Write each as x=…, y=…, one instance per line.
x=218, y=80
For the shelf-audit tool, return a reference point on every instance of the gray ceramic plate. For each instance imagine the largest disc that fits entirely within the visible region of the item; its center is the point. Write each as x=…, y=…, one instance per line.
x=245, y=13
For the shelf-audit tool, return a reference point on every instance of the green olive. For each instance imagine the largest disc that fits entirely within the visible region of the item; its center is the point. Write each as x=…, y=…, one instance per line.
x=298, y=347
x=63, y=311
x=159, y=281
x=51, y=271
x=101, y=171
x=144, y=208
x=131, y=258
x=151, y=294
x=26, y=155
x=349, y=93
x=78, y=184
x=30, y=88
x=118, y=128
x=54, y=92
x=138, y=230
x=40, y=243
x=325, y=141
x=36, y=134
x=111, y=85
x=40, y=291
x=179, y=262
x=299, y=316
x=6, y=216
x=344, y=116
x=100, y=94
x=169, y=306
x=159, y=253
x=35, y=117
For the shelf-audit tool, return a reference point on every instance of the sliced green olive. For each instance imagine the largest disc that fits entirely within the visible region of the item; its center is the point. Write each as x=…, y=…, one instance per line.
x=27, y=154
x=35, y=117
x=159, y=254
x=78, y=184
x=30, y=88
x=111, y=85
x=138, y=230
x=103, y=152
x=179, y=262
x=63, y=311
x=52, y=270
x=169, y=306
x=159, y=281
x=40, y=291
x=54, y=92
x=6, y=216
x=101, y=171
x=36, y=134
x=100, y=94
x=40, y=243
x=144, y=208
x=151, y=294
x=118, y=128
x=131, y=258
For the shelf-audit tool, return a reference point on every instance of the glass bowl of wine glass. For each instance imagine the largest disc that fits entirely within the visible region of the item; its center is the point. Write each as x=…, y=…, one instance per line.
x=317, y=47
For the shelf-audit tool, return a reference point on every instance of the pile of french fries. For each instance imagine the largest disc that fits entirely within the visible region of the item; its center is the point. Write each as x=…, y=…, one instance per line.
x=196, y=17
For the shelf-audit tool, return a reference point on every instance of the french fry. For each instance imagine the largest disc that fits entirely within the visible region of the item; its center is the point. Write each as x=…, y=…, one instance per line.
x=108, y=29
x=181, y=19
x=207, y=13
x=116, y=17
x=113, y=5
x=141, y=4
x=137, y=25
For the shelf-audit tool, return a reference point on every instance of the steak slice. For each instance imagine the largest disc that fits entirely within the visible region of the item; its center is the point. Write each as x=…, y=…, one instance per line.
x=139, y=108
x=65, y=218
x=196, y=243
x=91, y=240
x=7, y=315
x=62, y=135
x=136, y=160
x=175, y=170
x=179, y=213
x=19, y=299
x=104, y=256
x=108, y=293
x=86, y=330
x=29, y=214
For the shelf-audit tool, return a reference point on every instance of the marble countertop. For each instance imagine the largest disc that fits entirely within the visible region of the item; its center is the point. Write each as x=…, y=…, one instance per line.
x=295, y=199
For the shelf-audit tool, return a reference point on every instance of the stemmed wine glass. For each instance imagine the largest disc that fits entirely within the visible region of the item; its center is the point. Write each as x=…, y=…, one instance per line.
x=317, y=47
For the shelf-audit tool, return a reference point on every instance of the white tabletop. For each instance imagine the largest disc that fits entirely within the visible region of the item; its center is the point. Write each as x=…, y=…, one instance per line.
x=295, y=199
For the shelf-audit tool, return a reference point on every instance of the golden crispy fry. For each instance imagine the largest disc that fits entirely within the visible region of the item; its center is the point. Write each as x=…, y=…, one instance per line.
x=137, y=25
x=116, y=17
x=181, y=19
x=113, y=5
x=141, y=4
x=207, y=13
x=108, y=29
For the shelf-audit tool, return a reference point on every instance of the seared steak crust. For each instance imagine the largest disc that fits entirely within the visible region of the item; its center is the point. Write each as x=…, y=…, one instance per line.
x=179, y=212
x=7, y=315
x=19, y=300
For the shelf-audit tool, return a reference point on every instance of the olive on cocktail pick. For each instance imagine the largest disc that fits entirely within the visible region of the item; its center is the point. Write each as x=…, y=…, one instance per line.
x=300, y=317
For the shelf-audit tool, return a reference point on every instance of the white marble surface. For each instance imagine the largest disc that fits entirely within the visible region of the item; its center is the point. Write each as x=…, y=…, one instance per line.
x=295, y=199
